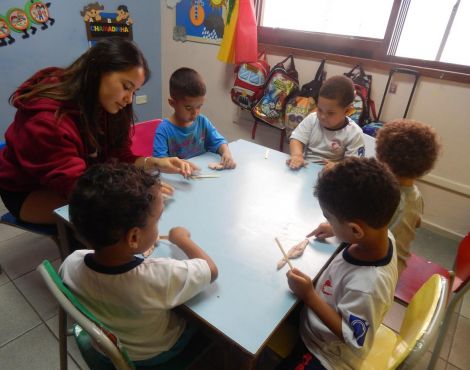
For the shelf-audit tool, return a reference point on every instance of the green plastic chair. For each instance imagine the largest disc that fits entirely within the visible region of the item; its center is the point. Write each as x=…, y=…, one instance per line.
x=87, y=329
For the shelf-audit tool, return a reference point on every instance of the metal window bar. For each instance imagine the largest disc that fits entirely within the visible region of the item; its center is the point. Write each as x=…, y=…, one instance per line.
x=447, y=31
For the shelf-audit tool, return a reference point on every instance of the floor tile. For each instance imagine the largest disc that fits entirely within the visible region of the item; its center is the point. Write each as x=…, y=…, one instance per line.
x=34, y=350
x=435, y=247
x=17, y=316
x=8, y=232
x=394, y=316
x=37, y=294
x=422, y=364
x=3, y=277
x=465, y=308
x=449, y=336
x=25, y=252
x=72, y=348
x=459, y=353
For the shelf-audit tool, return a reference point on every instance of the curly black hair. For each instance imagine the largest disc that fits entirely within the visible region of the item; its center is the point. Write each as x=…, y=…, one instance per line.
x=410, y=148
x=186, y=82
x=109, y=199
x=359, y=189
x=339, y=88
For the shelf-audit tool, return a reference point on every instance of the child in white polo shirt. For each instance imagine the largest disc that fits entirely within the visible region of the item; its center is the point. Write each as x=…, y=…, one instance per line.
x=116, y=208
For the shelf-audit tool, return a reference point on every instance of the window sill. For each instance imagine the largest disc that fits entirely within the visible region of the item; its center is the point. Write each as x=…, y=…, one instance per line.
x=366, y=63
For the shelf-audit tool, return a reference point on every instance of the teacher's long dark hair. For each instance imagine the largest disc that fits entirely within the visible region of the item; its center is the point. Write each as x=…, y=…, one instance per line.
x=79, y=84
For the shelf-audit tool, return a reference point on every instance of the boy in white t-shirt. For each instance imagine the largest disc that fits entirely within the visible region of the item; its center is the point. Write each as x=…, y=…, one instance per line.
x=346, y=306
x=327, y=134
x=410, y=149
x=116, y=208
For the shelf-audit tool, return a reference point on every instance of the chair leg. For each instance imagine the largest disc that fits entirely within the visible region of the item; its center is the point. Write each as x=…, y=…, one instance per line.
x=283, y=136
x=63, y=339
x=253, y=130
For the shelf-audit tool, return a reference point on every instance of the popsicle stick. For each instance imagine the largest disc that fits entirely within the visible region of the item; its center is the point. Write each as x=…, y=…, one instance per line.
x=163, y=237
x=284, y=253
x=208, y=176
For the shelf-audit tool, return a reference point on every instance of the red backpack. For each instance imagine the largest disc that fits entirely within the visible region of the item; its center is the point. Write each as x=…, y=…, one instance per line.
x=249, y=82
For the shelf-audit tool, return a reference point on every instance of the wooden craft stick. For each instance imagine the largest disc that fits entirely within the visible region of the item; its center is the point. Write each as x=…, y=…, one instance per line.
x=284, y=253
x=266, y=155
x=208, y=176
x=163, y=237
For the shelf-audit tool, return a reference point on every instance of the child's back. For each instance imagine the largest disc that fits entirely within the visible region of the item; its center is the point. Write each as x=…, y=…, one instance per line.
x=116, y=208
x=410, y=149
x=351, y=296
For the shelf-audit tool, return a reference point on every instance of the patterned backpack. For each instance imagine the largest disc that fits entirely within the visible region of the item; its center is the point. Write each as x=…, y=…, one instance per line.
x=249, y=82
x=304, y=102
x=363, y=110
x=282, y=82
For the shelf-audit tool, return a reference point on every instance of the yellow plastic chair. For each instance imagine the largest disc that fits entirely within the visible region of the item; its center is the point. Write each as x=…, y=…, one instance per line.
x=420, y=326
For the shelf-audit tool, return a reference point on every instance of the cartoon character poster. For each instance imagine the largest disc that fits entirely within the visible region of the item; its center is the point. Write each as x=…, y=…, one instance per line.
x=22, y=21
x=100, y=23
x=200, y=20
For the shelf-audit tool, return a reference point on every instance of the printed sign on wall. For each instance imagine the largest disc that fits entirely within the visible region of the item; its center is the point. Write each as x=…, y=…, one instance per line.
x=100, y=24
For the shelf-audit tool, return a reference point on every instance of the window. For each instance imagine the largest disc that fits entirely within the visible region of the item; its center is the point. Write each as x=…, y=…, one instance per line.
x=430, y=36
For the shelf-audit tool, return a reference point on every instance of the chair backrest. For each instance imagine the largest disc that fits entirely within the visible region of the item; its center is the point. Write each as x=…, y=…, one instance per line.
x=142, y=138
x=419, y=327
x=462, y=264
x=103, y=338
x=422, y=320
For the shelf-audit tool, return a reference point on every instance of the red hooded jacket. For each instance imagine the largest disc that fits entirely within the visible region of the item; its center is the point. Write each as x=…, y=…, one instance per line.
x=45, y=152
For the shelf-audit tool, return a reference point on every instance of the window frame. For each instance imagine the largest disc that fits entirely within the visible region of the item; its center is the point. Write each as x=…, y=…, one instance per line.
x=352, y=50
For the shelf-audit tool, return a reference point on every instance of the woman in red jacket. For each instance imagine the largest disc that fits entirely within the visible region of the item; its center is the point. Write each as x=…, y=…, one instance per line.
x=68, y=119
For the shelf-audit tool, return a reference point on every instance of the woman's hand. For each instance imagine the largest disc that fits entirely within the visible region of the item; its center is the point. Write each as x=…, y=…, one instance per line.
x=174, y=165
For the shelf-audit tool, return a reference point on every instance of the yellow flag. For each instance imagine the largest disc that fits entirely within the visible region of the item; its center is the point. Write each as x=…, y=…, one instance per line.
x=227, y=47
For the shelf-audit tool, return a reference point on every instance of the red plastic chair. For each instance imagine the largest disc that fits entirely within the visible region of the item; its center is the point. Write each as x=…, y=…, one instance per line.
x=460, y=287
x=419, y=270
x=142, y=139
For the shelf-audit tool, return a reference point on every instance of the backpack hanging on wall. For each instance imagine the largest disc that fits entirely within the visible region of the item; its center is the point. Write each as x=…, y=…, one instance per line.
x=363, y=110
x=304, y=102
x=281, y=83
x=249, y=82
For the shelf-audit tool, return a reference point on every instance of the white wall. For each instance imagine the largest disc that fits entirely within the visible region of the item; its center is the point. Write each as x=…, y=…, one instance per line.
x=442, y=104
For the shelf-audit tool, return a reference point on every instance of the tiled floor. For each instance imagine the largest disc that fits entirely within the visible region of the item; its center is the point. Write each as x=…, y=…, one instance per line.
x=28, y=313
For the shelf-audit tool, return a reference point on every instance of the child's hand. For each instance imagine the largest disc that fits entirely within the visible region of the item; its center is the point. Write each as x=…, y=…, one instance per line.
x=300, y=283
x=296, y=161
x=167, y=189
x=178, y=235
x=227, y=161
x=323, y=231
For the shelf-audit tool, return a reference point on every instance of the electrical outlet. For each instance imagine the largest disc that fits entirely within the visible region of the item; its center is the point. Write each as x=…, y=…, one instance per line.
x=141, y=99
x=393, y=88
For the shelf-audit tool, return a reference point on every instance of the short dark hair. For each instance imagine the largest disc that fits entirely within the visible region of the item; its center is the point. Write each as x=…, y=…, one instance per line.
x=410, y=148
x=109, y=199
x=339, y=88
x=359, y=189
x=186, y=82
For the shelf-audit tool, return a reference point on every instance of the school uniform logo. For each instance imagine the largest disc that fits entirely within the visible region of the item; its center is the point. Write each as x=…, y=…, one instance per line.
x=326, y=287
x=359, y=327
x=361, y=152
